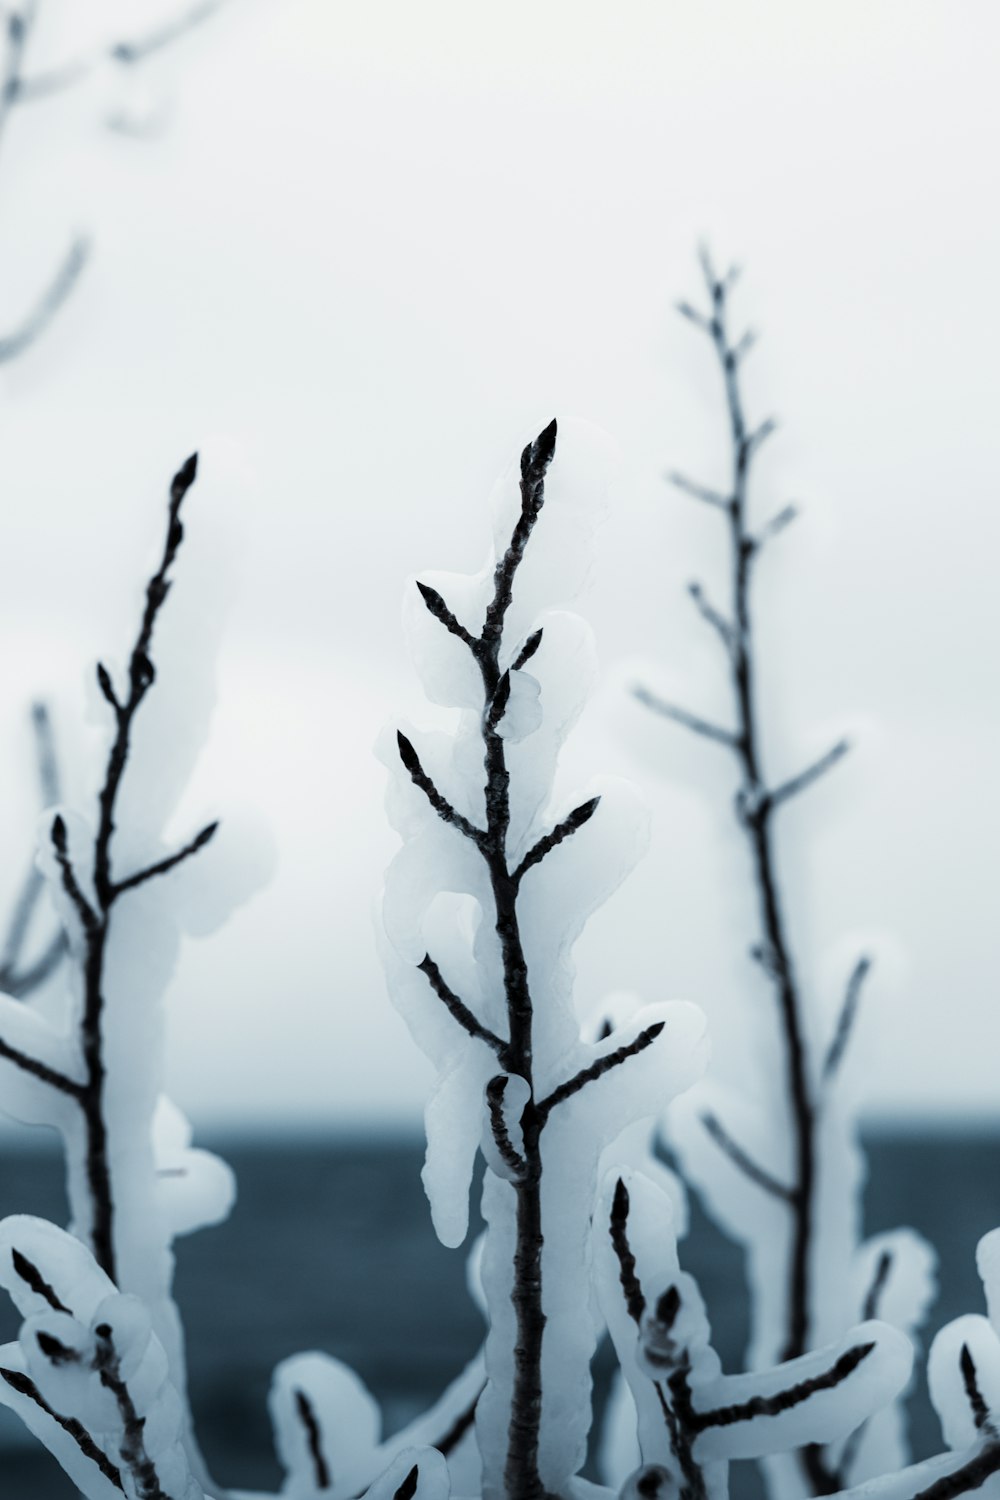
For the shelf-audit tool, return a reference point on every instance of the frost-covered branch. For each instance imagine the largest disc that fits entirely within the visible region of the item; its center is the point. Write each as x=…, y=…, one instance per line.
x=799, y=1292
x=19, y=85
x=692, y=1419
x=544, y=1120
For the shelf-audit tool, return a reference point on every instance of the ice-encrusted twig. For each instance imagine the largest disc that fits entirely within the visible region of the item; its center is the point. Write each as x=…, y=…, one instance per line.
x=501, y=854
x=802, y=1106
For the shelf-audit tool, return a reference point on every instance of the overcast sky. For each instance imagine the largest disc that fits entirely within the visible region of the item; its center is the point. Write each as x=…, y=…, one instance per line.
x=378, y=245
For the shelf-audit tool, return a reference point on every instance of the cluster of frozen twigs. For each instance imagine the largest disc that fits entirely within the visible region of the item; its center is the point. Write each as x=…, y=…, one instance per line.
x=497, y=872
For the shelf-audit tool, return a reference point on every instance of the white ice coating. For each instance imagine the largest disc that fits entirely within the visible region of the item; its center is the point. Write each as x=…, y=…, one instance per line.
x=842, y=1269
x=767, y=1424
x=161, y=1188
x=439, y=901
x=321, y=1409
x=75, y=1304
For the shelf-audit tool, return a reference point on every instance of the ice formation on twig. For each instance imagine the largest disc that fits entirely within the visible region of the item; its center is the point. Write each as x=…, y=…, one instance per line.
x=692, y=1419
x=779, y=1166
x=88, y=1376
x=125, y=896
x=482, y=906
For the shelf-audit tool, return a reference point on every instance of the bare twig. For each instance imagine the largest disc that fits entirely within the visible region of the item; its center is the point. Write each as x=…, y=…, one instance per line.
x=163, y=866
x=701, y=492
x=440, y=804
x=54, y=297
x=846, y=1019
x=457, y=1008
x=805, y=779
x=598, y=1069
x=741, y=1159
x=683, y=716
x=564, y=830
x=495, y=1091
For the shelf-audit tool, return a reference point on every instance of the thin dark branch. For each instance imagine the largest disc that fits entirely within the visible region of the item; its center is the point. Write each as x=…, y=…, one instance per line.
x=141, y=675
x=440, y=611
x=970, y=1476
x=811, y=774
x=46, y=757
x=635, y=1299
x=458, y=1009
x=40, y=86
x=164, y=865
x=774, y=527
x=139, y=48
x=40, y=1070
x=754, y=807
x=846, y=1019
x=869, y=1308
x=132, y=1444
x=35, y=1281
x=495, y=1091
x=740, y=1158
x=973, y=1394
x=52, y=299
x=598, y=1069
x=723, y=627
x=792, y=1396
x=25, y=1386
x=697, y=491
x=440, y=804
x=690, y=721
x=564, y=830
x=314, y=1440
x=535, y=460
x=88, y=916
x=450, y=1440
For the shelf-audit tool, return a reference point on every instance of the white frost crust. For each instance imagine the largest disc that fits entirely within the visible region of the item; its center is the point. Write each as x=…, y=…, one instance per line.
x=71, y=1387
x=161, y=1188
x=822, y=1416
x=346, y=1415
x=972, y=1336
x=579, y=1132
x=432, y=1476
x=439, y=876
x=349, y=1428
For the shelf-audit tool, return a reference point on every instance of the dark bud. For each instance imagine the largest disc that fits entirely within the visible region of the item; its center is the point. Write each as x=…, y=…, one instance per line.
x=56, y=1351
x=433, y=600
x=184, y=479
x=668, y=1305
x=537, y=456
x=59, y=834
x=103, y=1330
x=407, y=754
x=105, y=685
x=528, y=650
x=206, y=835
x=604, y=1031
x=582, y=814
x=408, y=1488
x=620, y=1203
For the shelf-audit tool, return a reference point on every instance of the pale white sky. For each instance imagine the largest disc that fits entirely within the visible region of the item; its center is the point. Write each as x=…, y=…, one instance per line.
x=379, y=245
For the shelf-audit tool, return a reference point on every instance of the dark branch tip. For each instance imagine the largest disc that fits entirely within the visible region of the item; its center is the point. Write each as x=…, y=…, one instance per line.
x=59, y=841
x=408, y=1488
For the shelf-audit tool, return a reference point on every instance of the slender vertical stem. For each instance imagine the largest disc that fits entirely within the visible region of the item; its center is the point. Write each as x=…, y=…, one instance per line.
x=756, y=809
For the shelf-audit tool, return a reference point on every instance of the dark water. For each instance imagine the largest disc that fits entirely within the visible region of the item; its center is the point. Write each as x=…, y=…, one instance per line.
x=330, y=1247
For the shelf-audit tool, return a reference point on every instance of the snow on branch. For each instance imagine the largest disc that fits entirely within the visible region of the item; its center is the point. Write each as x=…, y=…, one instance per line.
x=543, y=1121
x=692, y=1419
